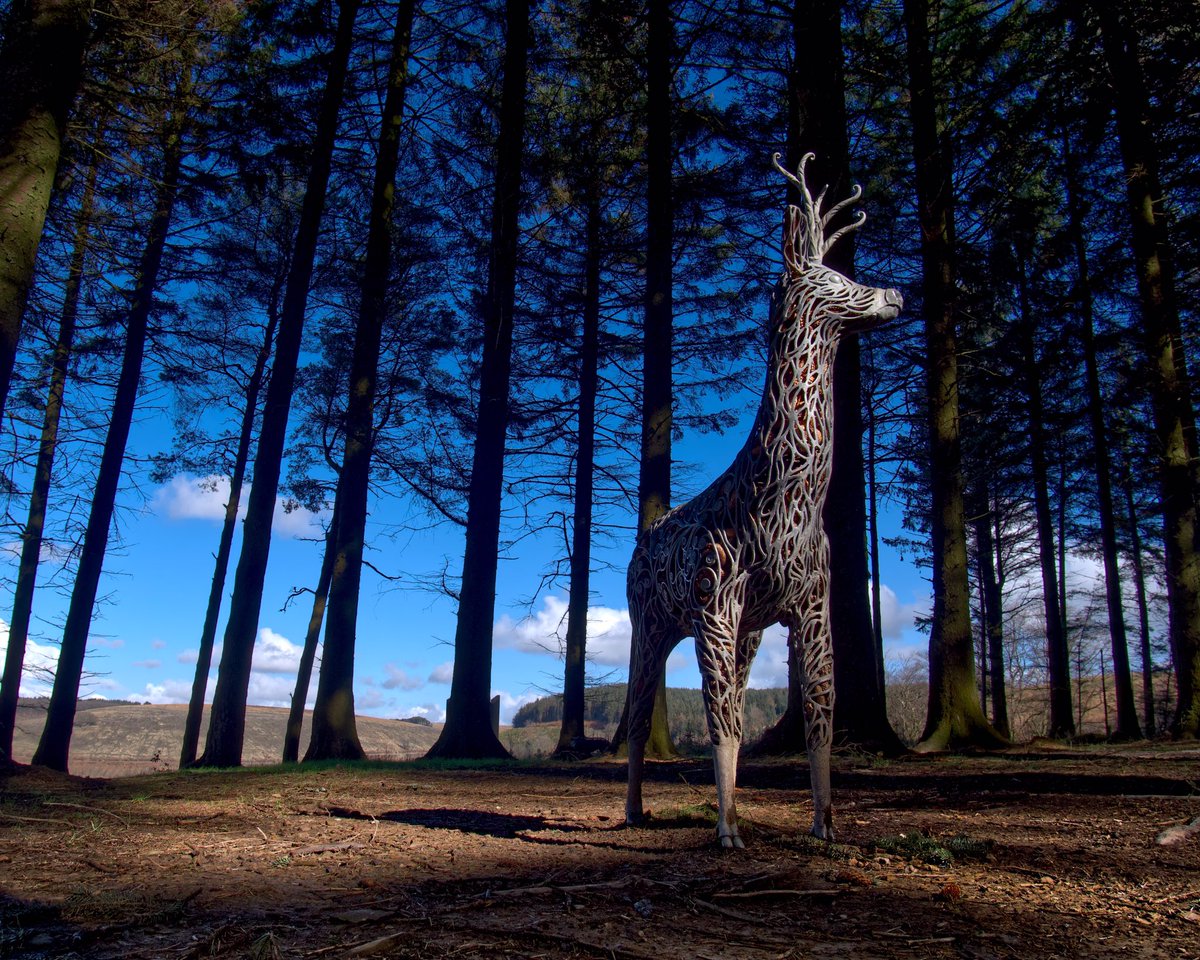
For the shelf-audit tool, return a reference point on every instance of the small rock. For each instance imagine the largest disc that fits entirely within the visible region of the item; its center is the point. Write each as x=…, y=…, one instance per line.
x=643, y=908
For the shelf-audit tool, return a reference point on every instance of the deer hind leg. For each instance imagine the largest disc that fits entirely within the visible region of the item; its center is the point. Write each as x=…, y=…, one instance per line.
x=811, y=633
x=724, y=667
x=647, y=659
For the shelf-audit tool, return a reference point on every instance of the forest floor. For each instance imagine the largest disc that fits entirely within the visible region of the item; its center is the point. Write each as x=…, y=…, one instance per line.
x=1037, y=853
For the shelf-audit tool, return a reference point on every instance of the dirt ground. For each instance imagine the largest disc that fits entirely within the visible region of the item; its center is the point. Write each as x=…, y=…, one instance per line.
x=1054, y=853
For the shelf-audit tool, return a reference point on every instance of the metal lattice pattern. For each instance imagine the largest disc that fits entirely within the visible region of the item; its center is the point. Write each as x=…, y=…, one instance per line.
x=751, y=550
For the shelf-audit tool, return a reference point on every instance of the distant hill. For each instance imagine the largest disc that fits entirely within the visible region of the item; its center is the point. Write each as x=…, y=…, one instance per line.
x=118, y=738
x=685, y=711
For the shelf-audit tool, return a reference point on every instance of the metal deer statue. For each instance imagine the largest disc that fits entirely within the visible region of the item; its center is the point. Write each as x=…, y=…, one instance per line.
x=751, y=550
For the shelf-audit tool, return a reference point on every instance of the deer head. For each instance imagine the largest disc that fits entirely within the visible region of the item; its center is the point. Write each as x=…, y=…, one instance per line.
x=851, y=305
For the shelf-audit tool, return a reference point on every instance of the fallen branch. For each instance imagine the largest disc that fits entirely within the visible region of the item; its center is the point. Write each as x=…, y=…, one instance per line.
x=80, y=806
x=544, y=888
x=13, y=816
x=326, y=848
x=831, y=892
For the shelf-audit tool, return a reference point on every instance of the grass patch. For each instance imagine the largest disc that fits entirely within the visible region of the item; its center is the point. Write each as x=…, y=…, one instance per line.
x=936, y=850
x=695, y=814
x=806, y=843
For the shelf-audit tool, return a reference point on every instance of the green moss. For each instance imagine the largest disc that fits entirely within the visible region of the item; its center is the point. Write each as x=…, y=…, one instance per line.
x=935, y=850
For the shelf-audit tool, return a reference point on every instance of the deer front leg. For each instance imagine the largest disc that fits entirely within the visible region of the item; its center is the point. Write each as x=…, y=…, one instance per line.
x=723, y=685
x=647, y=658
x=816, y=666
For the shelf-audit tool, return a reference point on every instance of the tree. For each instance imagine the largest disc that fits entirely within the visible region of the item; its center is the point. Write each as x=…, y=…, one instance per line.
x=334, y=734
x=654, y=465
x=54, y=746
x=468, y=730
x=41, y=63
x=1128, y=727
x=226, y=727
x=1062, y=724
x=212, y=612
x=816, y=123
x=1170, y=387
x=954, y=717
x=32, y=535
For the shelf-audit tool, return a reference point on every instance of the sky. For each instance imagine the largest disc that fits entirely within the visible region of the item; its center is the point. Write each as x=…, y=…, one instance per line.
x=146, y=633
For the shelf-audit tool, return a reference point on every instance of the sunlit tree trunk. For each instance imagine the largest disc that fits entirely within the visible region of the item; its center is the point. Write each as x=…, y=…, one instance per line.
x=468, y=729
x=1170, y=388
x=954, y=718
x=1143, y=606
x=40, y=67
x=216, y=592
x=1062, y=724
x=227, y=721
x=585, y=458
x=993, y=608
x=654, y=475
x=55, y=743
x=334, y=731
x=1128, y=727
x=308, y=653
x=35, y=523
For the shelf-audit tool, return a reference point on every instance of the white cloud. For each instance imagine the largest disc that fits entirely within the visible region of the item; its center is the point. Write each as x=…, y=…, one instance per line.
x=608, y=632
x=510, y=704
x=274, y=653
x=148, y=664
x=106, y=643
x=169, y=691
x=190, y=656
x=430, y=711
x=442, y=673
x=397, y=678
x=897, y=618
x=158, y=644
x=770, y=667
x=37, y=671
x=192, y=498
x=204, y=498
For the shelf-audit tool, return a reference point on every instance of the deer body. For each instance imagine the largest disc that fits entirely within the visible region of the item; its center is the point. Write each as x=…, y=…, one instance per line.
x=751, y=550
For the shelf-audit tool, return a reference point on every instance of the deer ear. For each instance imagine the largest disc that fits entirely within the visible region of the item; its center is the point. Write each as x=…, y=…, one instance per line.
x=793, y=241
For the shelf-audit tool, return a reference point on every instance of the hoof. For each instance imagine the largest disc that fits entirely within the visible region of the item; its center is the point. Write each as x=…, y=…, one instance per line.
x=731, y=841
x=823, y=831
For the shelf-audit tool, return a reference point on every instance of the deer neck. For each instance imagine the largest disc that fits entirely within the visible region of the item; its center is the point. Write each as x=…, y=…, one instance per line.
x=796, y=412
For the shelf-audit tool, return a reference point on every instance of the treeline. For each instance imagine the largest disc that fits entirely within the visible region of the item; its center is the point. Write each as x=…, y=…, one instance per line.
x=486, y=263
x=604, y=705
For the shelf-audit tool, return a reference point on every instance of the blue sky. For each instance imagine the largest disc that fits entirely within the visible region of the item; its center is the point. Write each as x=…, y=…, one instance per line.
x=144, y=637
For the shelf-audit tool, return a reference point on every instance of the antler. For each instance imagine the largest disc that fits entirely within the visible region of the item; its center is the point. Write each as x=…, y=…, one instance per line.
x=815, y=221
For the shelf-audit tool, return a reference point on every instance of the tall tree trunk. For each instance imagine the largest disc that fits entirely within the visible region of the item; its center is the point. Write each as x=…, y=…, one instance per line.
x=308, y=653
x=468, y=729
x=1062, y=724
x=585, y=458
x=954, y=718
x=1170, y=388
x=55, y=743
x=35, y=524
x=654, y=474
x=334, y=731
x=993, y=607
x=227, y=721
x=816, y=111
x=40, y=67
x=1128, y=727
x=1143, y=606
x=216, y=591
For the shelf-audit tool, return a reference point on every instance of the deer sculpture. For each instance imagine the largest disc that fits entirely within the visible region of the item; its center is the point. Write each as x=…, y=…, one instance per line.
x=751, y=550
